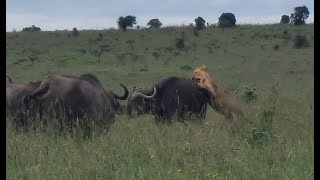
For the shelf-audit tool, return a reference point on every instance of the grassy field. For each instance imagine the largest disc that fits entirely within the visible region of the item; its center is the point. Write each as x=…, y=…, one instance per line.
x=279, y=144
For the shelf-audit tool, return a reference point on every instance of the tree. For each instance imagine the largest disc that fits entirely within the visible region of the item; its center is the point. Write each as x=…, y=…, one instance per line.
x=31, y=29
x=200, y=23
x=154, y=23
x=285, y=19
x=75, y=32
x=227, y=20
x=128, y=21
x=301, y=13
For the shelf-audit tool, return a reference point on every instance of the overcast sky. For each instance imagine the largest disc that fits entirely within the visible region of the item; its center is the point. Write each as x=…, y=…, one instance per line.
x=102, y=14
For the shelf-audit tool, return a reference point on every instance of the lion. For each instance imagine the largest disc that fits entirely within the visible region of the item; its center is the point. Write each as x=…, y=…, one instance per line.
x=223, y=103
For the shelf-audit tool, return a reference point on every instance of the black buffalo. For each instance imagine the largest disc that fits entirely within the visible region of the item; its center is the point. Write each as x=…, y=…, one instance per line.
x=177, y=97
x=78, y=98
x=96, y=83
x=15, y=105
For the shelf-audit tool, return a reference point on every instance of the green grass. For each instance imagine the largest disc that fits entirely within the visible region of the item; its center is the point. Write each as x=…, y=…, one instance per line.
x=277, y=145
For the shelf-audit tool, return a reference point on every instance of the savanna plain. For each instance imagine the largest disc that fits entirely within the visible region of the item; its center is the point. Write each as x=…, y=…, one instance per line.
x=270, y=69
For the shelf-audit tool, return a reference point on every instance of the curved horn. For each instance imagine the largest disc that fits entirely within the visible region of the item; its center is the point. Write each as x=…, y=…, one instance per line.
x=140, y=94
x=125, y=96
x=42, y=89
x=9, y=79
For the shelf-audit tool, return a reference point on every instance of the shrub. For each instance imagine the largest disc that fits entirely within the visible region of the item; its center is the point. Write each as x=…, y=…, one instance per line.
x=300, y=41
x=154, y=23
x=180, y=43
x=285, y=19
x=196, y=33
x=31, y=29
x=227, y=20
x=286, y=34
x=100, y=36
x=75, y=32
x=144, y=69
x=249, y=94
x=200, y=23
x=156, y=54
x=186, y=67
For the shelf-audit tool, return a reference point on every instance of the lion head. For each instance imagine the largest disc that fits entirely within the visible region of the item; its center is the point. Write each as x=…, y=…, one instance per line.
x=204, y=79
x=200, y=75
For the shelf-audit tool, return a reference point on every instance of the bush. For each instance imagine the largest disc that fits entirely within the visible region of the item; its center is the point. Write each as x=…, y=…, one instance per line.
x=186, y=67
x=154, y=23
x=31, y=29
x=75, y=32
x=156, y=54
x=285, y=19
x=196, y=33
x=286, y=34
x=100, y=37
x=300, y=41
x=125, y=22
x=180, y=43
x=200, y=23
x=227, y=20
x=301, y=13
x=249, y=94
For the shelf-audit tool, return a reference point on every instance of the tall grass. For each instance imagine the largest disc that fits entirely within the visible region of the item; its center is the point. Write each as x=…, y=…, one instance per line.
x=278, y=144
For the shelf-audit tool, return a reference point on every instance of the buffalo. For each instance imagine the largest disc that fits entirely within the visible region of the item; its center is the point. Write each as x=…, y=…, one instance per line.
x=78, y=98
x=15, y=96
x=96, y=83
x=177, y=97
x=139, y=104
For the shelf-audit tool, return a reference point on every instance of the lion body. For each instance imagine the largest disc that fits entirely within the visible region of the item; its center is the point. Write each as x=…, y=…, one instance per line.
x=223, y=103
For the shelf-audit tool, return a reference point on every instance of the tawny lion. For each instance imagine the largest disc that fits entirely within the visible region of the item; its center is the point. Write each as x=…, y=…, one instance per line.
x=223, y=103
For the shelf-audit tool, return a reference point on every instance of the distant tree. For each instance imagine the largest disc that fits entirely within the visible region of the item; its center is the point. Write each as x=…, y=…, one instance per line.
x=285, y=19
x=75, y=32
x=122, y=23
x=200, y=23
x=125, y=22
x=227, y=20
x=31, y=29
x=301, y=13
x=154, y=23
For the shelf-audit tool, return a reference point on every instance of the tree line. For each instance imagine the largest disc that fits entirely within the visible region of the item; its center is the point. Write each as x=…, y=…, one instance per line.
x=298, y=17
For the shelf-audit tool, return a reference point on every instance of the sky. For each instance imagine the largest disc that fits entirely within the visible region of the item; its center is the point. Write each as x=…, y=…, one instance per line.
x=52, y=15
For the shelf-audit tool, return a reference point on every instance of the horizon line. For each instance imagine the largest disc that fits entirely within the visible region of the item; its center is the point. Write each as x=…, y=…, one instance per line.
x=145, y=27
